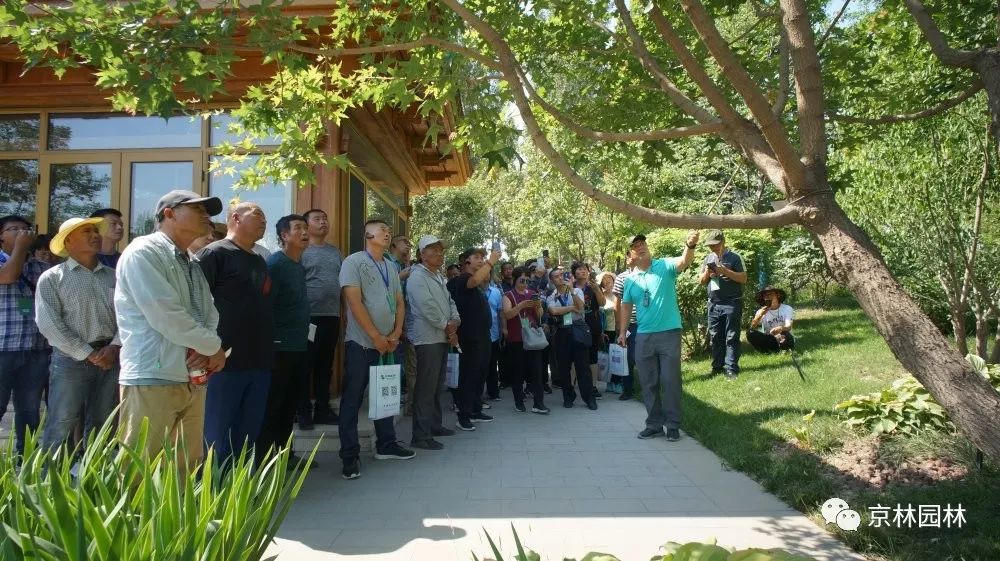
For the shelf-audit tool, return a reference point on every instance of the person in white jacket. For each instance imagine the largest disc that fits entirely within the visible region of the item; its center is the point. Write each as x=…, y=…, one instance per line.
x=167, y=325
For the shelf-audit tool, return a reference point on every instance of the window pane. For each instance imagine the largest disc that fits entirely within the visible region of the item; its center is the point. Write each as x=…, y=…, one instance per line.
x=275, y=199
x=378, y=208
x=19, y=133
x=76, y=190
x=97, y=131
x=220, y=133
x=18, y=181
x=150, y=181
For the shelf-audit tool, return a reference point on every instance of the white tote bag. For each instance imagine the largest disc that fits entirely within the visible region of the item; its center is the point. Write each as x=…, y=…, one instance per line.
x=383, y=389
x=603, y=366
x=451, y=373
x=617, y=360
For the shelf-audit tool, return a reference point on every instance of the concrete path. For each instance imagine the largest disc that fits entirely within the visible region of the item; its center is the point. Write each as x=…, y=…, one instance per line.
x=573, y=482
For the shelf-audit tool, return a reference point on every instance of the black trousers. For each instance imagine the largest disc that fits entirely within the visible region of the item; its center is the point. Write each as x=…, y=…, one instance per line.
x=492, y=379
x=525, y=367
x=568, y=354
x=472, y=365
x=320, y=361
x=287, y=378
x=767, y=343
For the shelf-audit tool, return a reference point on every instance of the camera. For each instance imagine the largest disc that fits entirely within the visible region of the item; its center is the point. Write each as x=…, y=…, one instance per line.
x=567, y=276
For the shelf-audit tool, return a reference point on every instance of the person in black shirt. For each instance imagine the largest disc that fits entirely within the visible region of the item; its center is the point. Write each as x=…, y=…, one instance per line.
x=473, y=333
x=240, y=284
x=724, y=275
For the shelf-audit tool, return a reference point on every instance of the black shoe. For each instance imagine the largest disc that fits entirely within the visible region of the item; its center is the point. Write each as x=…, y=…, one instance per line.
x=325, y=416
x=497, y=398
x=305, y=421
x=393, y=451
x=597, y=394
x=625, y=396
x=568, y=404
x=540, y=409
x=481, y=418
x=730, y=375
x=352, y=469
x=650, y=433
x=443, y=432
x=519, y=407
x=429, y=444
x=465, y=425
x=673, y=435
x=715, y=372
x=547, y=389
x=592, y=405
x=487, y=406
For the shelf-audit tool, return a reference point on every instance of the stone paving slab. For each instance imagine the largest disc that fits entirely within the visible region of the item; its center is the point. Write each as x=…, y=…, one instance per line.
x=572, y=482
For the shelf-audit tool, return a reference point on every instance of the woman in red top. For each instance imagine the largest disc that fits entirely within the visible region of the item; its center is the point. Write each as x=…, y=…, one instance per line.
x=522, y=306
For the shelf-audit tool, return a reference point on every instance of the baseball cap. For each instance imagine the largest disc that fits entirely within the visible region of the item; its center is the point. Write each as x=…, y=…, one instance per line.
x=181, y=197
x=714, y=237
x=429, y=240
x=638, y=238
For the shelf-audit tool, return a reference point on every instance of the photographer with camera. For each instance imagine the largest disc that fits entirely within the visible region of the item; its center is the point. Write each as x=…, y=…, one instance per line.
x=571, y=349
x=775, y=320
x=724, y=275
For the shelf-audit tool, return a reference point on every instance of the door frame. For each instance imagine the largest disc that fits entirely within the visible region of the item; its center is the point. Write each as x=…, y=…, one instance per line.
x=193, y=155
x=45, y=162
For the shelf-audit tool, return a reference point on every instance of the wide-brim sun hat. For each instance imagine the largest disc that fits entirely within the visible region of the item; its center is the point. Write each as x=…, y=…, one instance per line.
x=58, y=244
x=782, y=295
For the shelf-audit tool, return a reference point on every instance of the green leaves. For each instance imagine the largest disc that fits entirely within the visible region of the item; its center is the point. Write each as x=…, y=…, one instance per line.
x=906, y=407
x=124, y=506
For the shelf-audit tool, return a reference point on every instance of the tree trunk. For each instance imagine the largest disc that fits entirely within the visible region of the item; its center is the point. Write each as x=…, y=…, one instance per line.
x=988, y=68
x=856, y=263
x=958, y=328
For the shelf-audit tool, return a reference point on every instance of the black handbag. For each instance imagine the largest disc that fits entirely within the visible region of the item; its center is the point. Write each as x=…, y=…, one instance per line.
x=581, y=334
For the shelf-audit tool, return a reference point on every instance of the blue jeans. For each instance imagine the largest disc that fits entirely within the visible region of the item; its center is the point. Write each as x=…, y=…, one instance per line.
x=234, y=410
x=357, y=360
x=76, y=387
x=724, y=333
x=25, y=374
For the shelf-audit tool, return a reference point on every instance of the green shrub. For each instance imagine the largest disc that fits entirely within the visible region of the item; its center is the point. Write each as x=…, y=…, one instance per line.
x=671, y=551
x=121, y=506
x=906, y=407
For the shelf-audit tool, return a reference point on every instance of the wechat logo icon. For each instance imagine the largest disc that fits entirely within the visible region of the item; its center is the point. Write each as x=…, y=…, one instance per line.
x=836, y=511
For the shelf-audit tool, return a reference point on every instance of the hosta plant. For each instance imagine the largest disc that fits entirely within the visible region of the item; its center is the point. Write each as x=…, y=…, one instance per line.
x=671, y=551
x=117, y=505
x=905, y=407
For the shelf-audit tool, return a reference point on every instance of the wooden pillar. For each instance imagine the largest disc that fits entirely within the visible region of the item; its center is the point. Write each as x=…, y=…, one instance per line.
x=328, y=194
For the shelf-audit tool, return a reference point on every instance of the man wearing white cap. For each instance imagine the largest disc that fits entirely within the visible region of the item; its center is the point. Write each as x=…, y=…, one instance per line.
x=431, y=326
x=74, y=310
x=167, y=321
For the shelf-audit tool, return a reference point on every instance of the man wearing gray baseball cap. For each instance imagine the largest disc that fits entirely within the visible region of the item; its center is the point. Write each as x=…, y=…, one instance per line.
x=167, y=324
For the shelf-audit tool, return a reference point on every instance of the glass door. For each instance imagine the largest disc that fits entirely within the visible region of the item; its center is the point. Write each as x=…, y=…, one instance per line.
x=145, y=181
x=75, y=186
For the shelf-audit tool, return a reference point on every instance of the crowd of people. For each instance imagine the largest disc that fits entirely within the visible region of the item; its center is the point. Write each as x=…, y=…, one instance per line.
x=201, y=333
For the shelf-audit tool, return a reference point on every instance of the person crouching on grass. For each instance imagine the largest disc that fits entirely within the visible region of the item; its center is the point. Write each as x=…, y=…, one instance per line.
x=774, y=319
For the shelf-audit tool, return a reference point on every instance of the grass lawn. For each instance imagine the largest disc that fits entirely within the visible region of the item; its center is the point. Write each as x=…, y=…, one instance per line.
x=749, y=423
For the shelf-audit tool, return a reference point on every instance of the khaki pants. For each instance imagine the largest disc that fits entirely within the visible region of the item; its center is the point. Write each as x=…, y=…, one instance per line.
x=172, y=410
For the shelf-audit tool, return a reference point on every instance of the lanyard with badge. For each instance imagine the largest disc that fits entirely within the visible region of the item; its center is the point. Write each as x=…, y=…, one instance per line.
x=390, y=298
x=567, y=317
x=642, y=285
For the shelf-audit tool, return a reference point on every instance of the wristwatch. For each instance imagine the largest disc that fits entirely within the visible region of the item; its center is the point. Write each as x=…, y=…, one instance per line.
x=691, y=246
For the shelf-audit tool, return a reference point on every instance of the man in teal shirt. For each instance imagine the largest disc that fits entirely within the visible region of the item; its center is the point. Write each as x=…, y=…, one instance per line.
x=651, y=289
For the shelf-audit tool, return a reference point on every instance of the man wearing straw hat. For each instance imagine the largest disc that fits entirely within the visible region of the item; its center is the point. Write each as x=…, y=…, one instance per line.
x=74, y=310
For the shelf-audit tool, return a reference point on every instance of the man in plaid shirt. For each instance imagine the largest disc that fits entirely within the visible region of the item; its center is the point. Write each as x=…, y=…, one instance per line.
x=24, y=353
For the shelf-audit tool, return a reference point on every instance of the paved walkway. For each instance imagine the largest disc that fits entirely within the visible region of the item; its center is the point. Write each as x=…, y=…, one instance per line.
x=573, y=482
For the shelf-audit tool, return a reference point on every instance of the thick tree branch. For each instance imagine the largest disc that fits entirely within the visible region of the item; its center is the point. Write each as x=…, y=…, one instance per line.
x=808, y=87
x=394, y=47
x=929, y=112
x=741, y=132
x=509, y=64
x=649, y=63
x=784, y=68
x=607, y=136
x=833, y=24
x=939, y=44
x=757, y=103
